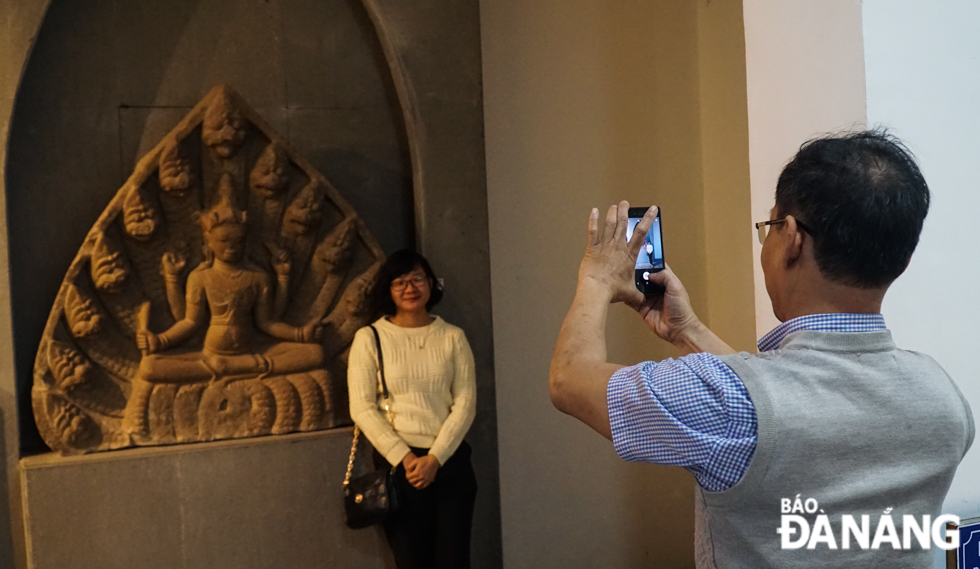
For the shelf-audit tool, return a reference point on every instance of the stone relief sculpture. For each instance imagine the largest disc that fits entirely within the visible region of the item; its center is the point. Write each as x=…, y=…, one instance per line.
x=215, y=298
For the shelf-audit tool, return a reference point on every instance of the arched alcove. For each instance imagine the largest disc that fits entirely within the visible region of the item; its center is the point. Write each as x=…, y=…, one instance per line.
x=108, y=79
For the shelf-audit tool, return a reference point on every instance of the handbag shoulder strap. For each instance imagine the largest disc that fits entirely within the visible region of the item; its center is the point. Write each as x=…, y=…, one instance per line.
x=381, y=362
x=388, y=414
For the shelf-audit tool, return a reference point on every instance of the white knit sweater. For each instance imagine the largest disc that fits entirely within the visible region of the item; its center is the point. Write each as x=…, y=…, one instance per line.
x=432, y=385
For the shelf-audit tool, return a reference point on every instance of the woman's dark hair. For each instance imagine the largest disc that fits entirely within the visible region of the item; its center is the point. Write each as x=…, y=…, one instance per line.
x=397, y=264
x=864, y=199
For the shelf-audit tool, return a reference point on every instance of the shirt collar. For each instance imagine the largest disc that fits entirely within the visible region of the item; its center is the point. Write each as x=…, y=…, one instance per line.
x=837, y=322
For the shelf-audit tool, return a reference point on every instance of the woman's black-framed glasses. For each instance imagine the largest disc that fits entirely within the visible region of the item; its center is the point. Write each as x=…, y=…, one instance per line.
x=417, y=281
x=763, y=228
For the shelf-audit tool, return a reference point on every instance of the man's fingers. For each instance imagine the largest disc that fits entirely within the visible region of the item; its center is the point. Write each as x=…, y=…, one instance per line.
x=622, y=221
x=661, y=277
x=650, y=303
x=666, y=277
x=611, y=218
x=635, y=299
x=594, y=227
x=640, y=232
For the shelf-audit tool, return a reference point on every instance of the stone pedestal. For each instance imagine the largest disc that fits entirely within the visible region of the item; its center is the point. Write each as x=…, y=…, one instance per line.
x=254, y=503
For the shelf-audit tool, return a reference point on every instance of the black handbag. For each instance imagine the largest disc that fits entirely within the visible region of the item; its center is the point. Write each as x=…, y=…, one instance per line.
x=369, y=499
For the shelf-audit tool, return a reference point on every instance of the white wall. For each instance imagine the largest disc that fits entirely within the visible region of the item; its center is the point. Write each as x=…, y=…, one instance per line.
x=923, y=79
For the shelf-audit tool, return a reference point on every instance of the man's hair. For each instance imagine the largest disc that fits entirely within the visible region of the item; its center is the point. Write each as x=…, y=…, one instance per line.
x=863, y=200
x=396, y=265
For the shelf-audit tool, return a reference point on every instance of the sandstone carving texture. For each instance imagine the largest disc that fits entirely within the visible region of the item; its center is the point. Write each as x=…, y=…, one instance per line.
x=216, y=297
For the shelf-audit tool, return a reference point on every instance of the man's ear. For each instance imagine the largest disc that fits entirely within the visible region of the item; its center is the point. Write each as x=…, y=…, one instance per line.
x=794, y=234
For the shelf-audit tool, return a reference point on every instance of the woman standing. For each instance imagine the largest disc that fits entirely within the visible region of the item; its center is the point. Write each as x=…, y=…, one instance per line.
x=432, y=384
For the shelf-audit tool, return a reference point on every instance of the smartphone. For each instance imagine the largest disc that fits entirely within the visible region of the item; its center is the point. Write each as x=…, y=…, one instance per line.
x=651, y=257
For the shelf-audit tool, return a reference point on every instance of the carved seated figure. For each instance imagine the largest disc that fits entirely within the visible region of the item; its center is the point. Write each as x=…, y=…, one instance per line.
x=244, y=338
x=239, y=297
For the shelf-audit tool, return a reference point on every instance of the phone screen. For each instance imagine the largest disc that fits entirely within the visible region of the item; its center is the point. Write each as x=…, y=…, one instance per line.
x=651, y=257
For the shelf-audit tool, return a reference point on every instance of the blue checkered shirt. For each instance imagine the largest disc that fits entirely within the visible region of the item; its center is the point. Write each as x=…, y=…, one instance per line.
x=695, y=412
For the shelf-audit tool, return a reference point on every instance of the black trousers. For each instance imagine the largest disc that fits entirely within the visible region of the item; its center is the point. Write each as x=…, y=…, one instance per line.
x=431, y=529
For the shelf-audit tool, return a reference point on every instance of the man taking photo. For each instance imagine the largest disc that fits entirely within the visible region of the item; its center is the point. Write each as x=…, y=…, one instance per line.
x=829, y=413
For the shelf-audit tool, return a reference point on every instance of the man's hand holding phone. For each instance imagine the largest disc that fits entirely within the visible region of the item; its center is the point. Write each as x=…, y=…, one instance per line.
x=669, y=315
x=580, y=366
x=609, y=269
x=610, y=261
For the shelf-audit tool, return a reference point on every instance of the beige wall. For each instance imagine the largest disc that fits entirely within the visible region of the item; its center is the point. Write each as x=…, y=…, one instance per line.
x=725, y=166
x=805, y=76
x=588, y=102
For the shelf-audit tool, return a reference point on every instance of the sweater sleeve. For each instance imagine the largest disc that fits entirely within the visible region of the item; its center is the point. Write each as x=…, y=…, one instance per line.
x=463, y=411
x=362, y=386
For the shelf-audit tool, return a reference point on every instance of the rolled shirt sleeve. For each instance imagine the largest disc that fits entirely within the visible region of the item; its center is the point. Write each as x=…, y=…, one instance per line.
x=692, y=412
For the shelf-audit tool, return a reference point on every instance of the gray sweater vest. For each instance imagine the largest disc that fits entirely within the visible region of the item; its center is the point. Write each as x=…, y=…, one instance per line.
x=851, y=421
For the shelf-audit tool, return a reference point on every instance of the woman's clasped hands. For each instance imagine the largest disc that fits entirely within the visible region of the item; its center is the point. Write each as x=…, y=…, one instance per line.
x=420, y=471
